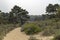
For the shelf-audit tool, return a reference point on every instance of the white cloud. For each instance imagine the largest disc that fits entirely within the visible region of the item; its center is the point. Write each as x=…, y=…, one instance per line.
x=34, y=7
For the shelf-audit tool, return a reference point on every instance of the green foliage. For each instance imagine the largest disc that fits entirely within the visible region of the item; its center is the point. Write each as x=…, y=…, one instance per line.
x=50, y=26
x=58, y=13
x=53, y=11
x=56, y=37
x=16, y=15
x=52, y=8
x=31, y=28
x=19, y=15
x=4, y=29
x=49, y=31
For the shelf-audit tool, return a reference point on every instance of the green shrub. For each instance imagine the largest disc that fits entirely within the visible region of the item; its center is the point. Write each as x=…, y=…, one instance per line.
x=49, y=30
x=56, y=37
x=32, y=38
x=4, y=29
x=31, y=28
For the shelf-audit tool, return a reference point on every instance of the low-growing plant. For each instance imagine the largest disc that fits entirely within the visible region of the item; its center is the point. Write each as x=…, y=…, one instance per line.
x=49, y=30
x=4, y=29
x=56, y=37
x=31, y=28
x=33, y=38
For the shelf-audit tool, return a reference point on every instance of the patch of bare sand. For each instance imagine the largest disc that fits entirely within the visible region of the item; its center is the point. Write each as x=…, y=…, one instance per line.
x=16, y=34
x=40, y=37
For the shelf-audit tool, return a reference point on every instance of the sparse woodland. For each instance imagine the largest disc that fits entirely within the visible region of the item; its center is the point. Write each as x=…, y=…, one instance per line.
x=48, y=24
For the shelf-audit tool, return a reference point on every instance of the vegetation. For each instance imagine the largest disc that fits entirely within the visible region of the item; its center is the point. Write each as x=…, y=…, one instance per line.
x=4, y=29
x=32, y=38
x=31, y=28
x=9, y=21
x=16, y=15
x=51, y=28
x=48, y=24
x=56, y=37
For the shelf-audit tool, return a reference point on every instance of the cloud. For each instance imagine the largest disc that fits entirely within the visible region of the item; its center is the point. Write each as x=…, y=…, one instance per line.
x=34, y=7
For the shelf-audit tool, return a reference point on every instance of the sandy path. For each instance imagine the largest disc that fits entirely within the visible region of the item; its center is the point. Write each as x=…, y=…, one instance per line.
x=16, y=34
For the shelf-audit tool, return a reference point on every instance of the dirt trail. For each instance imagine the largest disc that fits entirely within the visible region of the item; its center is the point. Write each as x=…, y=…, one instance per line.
x=16, y=34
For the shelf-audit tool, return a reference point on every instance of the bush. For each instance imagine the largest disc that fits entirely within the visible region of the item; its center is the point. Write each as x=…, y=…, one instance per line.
x=31, y=28
x=48, y=31
x=32, y=38
x=56, y=37
x=4, y=29
x=51, y=30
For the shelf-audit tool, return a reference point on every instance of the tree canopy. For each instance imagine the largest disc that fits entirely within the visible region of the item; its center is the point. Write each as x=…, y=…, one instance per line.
x=52, y=8
x=16, y=15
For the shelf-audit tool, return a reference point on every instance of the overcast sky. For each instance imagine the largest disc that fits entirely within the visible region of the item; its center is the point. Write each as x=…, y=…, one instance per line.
x=34, y=7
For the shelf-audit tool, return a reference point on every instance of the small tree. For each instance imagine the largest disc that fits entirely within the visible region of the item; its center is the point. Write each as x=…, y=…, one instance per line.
x=18, y=14
x=52, y=10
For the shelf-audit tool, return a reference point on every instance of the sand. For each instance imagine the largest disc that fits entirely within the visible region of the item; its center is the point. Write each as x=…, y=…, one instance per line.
x=16, y=34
